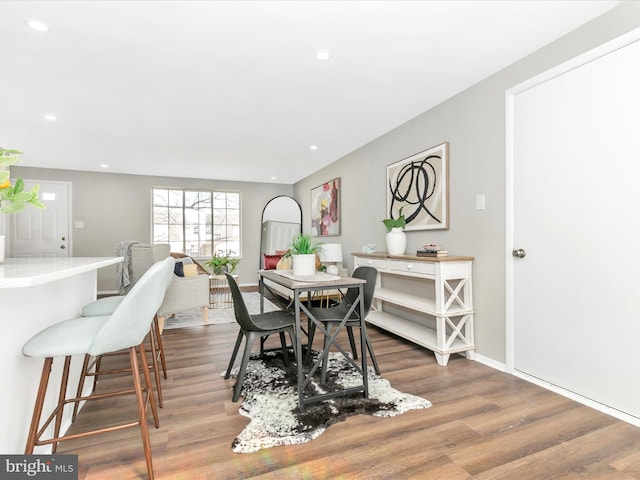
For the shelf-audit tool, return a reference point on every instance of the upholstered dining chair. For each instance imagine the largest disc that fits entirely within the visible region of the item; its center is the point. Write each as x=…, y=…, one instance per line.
x=125, y=328
x=253, y=327
x=332, y=317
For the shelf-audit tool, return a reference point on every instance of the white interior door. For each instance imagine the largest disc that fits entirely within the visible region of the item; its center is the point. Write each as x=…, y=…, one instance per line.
x=576, y=176
x=37, y=233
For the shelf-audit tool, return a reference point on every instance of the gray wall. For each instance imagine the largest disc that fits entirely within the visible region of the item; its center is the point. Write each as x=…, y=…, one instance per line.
x=117, y=207
x=473, y=123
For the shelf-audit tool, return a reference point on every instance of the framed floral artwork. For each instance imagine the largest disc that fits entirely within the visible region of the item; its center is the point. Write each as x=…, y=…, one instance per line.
x=325, y=209
x=419, y=185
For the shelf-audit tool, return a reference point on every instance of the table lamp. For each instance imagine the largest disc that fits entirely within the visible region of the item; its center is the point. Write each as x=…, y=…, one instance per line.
x=331, y=253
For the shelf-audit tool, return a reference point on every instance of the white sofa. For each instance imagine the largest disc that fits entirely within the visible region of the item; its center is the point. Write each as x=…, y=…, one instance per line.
x=184, y=293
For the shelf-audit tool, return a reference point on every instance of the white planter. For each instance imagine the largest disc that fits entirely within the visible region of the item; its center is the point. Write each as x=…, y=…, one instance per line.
x=304, y=265
x=396, y=241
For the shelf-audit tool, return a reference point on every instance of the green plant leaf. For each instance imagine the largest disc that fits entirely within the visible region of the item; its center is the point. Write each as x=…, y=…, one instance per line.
x=304, y=245
x=19, y=185
x=9, y=157
x=391, y=223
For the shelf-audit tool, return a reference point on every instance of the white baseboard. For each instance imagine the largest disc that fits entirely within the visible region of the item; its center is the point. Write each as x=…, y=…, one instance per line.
x=490, y=362
x=560, y=391
x=580, y=399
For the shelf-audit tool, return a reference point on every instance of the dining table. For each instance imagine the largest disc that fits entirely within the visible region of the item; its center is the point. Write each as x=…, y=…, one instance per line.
x=301, y=305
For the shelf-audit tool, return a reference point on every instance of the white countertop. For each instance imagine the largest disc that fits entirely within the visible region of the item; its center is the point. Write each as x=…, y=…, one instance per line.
x=28, y=272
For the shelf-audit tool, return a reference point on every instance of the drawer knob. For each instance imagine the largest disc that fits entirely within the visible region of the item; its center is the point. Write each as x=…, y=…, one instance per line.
x=409, y=267
x=369, y=262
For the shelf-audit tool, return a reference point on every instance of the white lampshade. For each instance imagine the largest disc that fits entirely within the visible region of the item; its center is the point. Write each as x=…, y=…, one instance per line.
x=330, y=252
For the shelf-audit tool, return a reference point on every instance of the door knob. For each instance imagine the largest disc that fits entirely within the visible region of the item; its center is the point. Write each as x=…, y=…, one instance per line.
x=519, y=253
x=63, y=247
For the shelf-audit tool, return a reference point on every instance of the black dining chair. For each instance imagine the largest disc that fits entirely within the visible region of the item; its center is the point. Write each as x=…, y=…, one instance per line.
x=332, y=316
x=253, y=327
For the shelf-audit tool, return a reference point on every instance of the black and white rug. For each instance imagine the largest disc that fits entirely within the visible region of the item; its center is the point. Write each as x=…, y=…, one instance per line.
x=271, y=402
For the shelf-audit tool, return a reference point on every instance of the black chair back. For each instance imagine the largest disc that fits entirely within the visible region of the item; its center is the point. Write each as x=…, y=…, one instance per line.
x=365, y=273
x=240, y=308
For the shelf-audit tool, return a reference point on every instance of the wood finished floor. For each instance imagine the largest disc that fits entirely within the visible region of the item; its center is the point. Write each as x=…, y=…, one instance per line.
x=484, y=424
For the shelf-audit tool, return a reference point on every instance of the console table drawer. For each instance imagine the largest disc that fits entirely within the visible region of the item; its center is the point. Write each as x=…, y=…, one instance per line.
x=415, y=267
x=371, y=262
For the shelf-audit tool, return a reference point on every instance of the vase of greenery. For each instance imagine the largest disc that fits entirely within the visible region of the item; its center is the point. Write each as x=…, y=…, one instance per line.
x=221, y=263
x=303, y=252
x=13, y=198
x=396, y=239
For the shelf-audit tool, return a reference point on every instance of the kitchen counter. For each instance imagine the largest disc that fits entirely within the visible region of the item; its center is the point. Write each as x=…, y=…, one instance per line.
x=36, y=293
x=28, y=272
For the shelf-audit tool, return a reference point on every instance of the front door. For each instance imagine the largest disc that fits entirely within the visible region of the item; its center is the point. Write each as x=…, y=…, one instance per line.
x=36, y=233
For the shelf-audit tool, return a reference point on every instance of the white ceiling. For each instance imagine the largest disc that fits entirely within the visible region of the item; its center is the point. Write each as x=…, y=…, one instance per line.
x=232, y=90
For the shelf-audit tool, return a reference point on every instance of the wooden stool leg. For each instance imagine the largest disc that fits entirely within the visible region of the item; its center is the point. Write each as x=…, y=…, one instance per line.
x=37, y=409
x=156, y=370
x=95, y=375
x=156, y=327
x=61, y=398
x=83, y=376
x=147, y=379
x=144, y=429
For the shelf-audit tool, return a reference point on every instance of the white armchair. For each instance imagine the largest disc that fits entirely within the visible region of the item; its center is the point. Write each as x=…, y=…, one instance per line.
x=184, y=293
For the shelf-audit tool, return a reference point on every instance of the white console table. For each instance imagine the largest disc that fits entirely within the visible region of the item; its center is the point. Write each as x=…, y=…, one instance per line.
x=427, y=300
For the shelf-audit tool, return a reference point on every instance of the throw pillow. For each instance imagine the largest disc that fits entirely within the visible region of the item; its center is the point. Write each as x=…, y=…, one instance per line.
x=271, y=261
x=285, y=263
x=179, y=269
x=190, y=270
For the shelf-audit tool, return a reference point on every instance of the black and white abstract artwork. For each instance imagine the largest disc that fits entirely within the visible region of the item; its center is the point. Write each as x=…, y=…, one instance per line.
x=419, y=185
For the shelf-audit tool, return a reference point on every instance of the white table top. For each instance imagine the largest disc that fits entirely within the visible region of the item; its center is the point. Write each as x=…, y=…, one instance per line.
x=28, y=272
x=320, y=281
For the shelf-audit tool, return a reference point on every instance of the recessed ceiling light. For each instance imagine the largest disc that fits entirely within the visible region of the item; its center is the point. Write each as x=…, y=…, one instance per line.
x=37, y=25
x=104, y=165
x=51, y=118
x=274, y=178
x=313, y=147
x=323, y=55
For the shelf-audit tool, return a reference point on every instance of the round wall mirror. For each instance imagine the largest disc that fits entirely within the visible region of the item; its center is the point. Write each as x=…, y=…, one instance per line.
x=281, y=221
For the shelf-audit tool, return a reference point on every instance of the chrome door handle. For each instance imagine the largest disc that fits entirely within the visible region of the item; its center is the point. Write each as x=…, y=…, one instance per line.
x=519, y=253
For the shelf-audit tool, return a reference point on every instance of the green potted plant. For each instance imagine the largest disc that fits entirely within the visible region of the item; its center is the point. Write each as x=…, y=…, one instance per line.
x=303, y=251
x=13, y=198
x=396, y=239
x=391, y=223
x=221, y=262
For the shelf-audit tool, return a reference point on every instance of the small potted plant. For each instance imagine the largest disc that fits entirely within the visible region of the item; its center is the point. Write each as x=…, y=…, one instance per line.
x=222, y=262
x=13, y=198
x=396, y=239
x=303, y=252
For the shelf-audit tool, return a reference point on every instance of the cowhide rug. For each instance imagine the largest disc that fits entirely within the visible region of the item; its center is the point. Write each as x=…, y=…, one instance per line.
x=271, y=402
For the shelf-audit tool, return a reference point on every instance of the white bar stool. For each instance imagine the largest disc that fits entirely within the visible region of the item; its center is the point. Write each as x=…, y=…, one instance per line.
x=126, y=328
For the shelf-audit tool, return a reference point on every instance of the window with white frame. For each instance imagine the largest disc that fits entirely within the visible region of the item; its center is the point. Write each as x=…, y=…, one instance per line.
x=197, y=223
